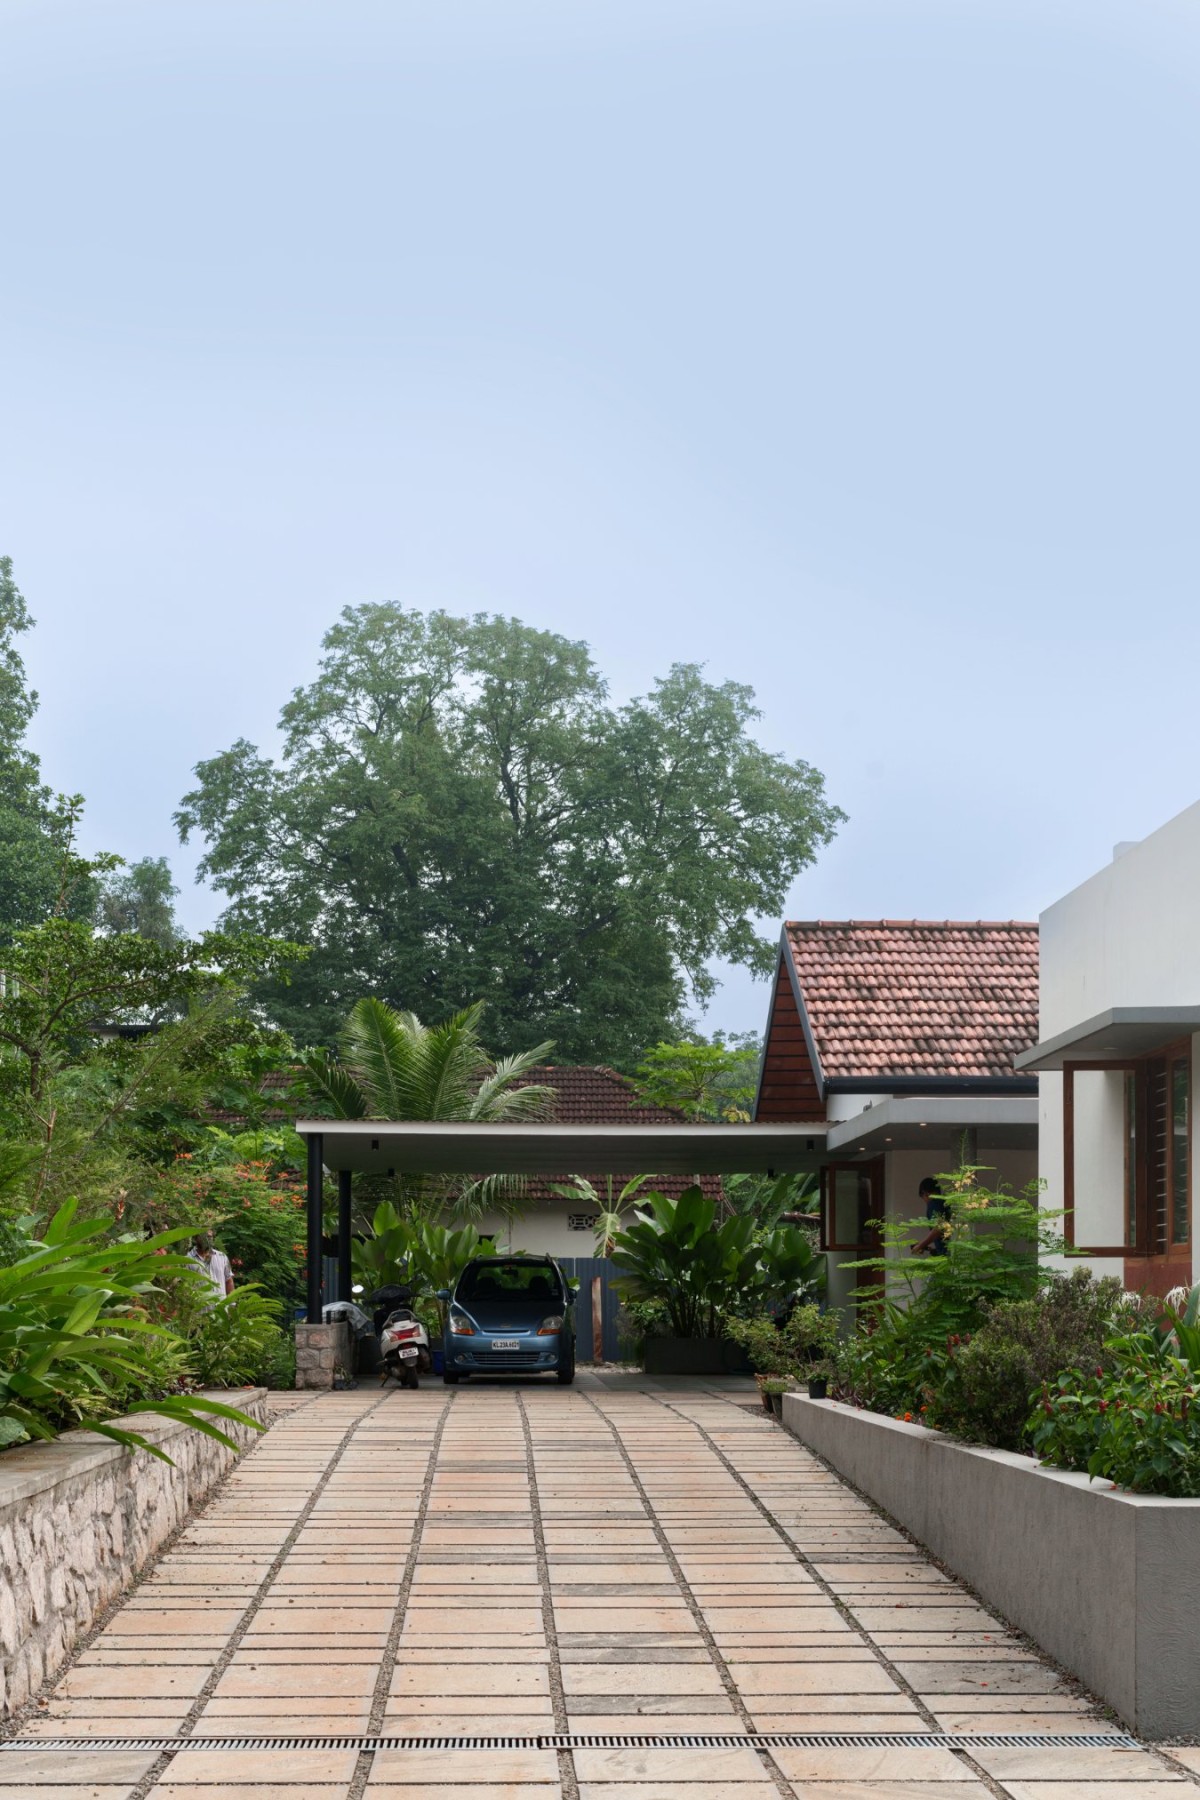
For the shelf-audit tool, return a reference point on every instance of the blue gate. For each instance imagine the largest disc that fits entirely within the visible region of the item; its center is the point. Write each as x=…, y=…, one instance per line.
x=585, y=1269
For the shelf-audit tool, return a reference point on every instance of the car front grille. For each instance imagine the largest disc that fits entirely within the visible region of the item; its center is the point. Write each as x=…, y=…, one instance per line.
x=506, y=1359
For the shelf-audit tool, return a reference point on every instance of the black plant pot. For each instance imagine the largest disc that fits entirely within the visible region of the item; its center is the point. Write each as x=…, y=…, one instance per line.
x=818, y=1388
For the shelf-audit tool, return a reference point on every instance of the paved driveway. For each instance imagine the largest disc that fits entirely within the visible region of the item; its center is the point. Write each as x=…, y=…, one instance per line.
x=517, y=1562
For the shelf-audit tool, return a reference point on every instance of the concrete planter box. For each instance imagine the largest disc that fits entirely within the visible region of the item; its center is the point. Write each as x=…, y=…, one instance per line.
x=80, y=1518
x=1108, y=1583
x=694, y=1356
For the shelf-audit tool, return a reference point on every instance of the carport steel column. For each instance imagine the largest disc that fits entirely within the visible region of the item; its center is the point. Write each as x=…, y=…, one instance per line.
x=316, y=1199
x=345, y=1201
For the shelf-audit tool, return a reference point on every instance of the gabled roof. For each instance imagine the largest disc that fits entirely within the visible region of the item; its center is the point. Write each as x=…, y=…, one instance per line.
x=916, y=997
x=903, y=1000
x=597, y=1095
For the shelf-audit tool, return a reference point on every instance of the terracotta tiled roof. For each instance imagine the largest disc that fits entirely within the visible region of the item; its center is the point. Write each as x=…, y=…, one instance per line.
x=598, y=1095
x=917, y=996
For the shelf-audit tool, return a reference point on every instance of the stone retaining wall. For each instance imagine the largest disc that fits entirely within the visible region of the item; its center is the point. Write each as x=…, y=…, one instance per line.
x=80, y=1517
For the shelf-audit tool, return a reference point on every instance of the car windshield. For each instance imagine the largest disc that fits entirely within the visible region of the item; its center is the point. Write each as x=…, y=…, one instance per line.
x=510, y=1281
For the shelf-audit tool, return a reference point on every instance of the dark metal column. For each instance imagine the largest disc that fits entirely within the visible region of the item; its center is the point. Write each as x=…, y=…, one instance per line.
x=344, y=1196
x=316, y=1195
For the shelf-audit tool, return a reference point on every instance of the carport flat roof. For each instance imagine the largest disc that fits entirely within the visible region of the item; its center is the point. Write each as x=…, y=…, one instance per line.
x=469, y=1148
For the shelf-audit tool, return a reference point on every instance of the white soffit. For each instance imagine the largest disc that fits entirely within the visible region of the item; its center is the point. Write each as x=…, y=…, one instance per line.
x=1002, y=1122
x=1112, y=1036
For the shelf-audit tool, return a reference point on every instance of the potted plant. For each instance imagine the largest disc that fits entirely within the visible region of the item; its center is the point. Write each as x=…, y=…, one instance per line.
x=764, y=1392
x=774, y=1387
x=819, y=1374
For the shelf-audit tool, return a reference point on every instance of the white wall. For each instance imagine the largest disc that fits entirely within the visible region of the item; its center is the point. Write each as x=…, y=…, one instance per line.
x=543, y=1229
x=1130, y=936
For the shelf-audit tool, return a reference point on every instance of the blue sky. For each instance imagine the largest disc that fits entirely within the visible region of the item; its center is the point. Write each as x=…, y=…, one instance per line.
x=847, y=346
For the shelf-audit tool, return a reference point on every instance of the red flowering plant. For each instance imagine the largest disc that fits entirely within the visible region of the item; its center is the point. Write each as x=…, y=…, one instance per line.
x=256, y=1212
x=1138, y=1425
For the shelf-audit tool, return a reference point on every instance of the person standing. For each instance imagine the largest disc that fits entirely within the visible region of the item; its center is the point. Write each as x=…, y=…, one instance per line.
x=937, y=1212
x=214, y=1263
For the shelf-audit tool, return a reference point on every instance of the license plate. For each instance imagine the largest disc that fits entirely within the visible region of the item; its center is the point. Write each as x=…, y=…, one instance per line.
x=408, y=1355
x=506, y=1343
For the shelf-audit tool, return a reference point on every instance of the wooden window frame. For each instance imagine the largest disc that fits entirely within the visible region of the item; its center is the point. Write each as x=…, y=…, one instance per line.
x=1148, y=1239
x=873, y=1170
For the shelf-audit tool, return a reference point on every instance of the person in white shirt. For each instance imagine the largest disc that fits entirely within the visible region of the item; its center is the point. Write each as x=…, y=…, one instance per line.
x=213, y=1263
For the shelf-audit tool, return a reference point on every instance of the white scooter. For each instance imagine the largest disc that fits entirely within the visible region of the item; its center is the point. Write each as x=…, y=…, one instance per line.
x=403, y=1340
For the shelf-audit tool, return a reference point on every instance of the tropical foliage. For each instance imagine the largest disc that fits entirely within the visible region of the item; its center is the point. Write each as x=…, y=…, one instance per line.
x=713, y=1080
x=399, y=1251
x=77, y=1338
x=701, y=1271
x=391, y=1066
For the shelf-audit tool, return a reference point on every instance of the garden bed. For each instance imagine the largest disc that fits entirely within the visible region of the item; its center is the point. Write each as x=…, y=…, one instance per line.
x=80, y=1518
x=1107, y=1582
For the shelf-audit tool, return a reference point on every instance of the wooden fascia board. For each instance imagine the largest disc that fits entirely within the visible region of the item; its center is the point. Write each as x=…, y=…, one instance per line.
x=787, y=961
x=802, y=1010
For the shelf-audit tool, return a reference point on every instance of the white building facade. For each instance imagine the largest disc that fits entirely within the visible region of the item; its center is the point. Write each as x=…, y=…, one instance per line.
x=1118, y=1055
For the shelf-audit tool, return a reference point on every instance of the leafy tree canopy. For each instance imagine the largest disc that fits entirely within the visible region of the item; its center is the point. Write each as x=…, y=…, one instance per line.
x=141, y=899
x=705, y=1080
x=32, y=828
x=460, y=813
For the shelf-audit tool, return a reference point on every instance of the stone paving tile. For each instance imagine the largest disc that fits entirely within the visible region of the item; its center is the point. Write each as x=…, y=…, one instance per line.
x=1087, y=1790
x=644, y=1643
x=35, y=1768
x=1101, y=1764
x=456, y=1790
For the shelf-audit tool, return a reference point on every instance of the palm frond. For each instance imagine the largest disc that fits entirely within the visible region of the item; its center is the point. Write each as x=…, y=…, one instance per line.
x=333, y=1085
x=379, y=1047
x=498, y=1098
x=456, y=1060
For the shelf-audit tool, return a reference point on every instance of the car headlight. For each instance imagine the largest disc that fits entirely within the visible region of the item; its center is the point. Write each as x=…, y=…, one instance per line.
x=552, y=1326
x=460, y=1325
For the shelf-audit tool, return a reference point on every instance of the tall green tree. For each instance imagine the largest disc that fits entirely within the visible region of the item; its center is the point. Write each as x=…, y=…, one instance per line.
x=460, y=812
x=140, y=898
x=32, y=828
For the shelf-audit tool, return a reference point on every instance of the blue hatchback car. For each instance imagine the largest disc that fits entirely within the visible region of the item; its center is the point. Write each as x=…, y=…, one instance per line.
x=510, y=1315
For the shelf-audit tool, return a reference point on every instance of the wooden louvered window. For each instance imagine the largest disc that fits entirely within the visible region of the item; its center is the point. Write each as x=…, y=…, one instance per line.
x=1127, y=1154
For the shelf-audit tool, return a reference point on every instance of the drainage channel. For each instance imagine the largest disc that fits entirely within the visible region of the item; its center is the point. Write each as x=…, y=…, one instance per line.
x=568, y=1740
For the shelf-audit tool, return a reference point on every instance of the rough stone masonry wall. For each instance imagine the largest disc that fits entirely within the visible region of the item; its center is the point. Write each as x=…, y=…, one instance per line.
x=79, y=1518
x=323, y=1353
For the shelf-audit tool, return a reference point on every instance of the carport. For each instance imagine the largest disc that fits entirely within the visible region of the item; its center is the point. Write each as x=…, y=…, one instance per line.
x=347, y=1147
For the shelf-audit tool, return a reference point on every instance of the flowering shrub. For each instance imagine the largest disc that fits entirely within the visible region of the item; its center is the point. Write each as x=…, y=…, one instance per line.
x=257, y=1213
x=988, y=1378
x=1135, y=1425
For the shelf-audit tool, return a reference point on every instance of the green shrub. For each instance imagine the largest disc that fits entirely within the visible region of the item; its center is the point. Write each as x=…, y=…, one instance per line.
x=277, y=1369
x=77, y=1343
x=798, y=1348
x=231, y=1340
x=257, y=1214
x=638, y=1320
x=888, y=1365
x=1136, y=1425
x=986, y=1383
